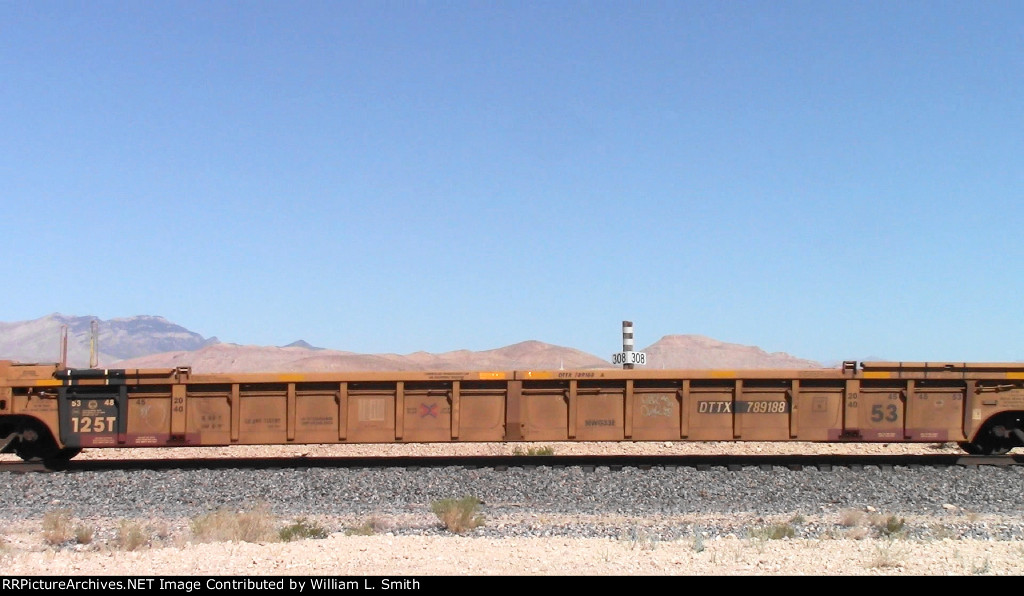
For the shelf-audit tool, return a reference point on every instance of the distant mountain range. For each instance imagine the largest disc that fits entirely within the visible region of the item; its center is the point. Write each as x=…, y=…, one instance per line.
x=154, y=342
x=118, y=339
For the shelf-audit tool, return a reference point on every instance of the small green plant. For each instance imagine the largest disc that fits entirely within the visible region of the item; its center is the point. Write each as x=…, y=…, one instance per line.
x=256, y=525
x=160, y=529
x=698, y=542
x=300, y=530
x=57, y=528
x=773, y=532
x=941, y=532
x=362, y=530
x=532, y=451
x=367, y=528
x=458, y=515
x=640, y=539
x=131, y=536
x=983, y=569
x=891, y=527
x=84, y=534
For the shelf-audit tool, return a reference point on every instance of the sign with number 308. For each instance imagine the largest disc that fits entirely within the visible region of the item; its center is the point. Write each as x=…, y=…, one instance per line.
x=629, y=358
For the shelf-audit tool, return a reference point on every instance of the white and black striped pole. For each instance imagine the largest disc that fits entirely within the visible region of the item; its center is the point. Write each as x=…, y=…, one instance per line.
x=627, y=343
x=627, y=357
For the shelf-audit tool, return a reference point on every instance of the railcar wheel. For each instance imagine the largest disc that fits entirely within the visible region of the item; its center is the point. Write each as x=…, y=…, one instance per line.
x=986, y=443
x=37, y=444
x=998, y=436
x=34, y=453
x=970, y=448
x=64, y=454
x=29, y=452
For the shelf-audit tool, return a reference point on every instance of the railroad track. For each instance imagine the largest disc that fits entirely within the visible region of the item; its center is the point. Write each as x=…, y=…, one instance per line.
x=584, y=462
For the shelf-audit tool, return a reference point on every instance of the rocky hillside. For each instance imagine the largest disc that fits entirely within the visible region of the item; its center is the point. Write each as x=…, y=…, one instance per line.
x=697, y=351
x=672, y=351
x=39, y=340
x=235, y=358
x=154, y=342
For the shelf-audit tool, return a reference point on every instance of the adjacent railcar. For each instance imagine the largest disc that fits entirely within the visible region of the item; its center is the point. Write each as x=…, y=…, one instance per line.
x=49, y=412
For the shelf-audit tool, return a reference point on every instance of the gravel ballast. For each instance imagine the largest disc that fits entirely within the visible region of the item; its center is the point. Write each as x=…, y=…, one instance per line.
x=542, y=520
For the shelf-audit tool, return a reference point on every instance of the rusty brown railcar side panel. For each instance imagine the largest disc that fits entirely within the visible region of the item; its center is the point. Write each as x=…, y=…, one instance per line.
x=454, y=403
x=483, y=407
x=934, y=412
x=737, y=395
x=603, y=410
x=543, y=411
x=236, y=412
x=513, y=411
x=970, y=395
x=882, y=401
x=399, y=410
x=817, y=410
x=291, y=413
x=684, y=401
x=628, y=416
x=178, y=419
x=573, y=395
x=656, y=411
x=342, y=411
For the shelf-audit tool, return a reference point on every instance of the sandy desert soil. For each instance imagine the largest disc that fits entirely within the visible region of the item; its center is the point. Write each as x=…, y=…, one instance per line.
x=384, y=555
x=850, y=552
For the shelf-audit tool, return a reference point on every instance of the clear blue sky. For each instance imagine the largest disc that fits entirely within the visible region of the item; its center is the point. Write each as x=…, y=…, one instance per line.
x=830, y=179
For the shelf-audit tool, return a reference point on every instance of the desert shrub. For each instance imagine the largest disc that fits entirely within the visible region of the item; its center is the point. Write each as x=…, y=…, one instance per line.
x=891, y=527
x=984, y=568
x=300, y=530
x=849, y=518
x=887, y=557
x=367, y=528
x=84, y=534
x=640, y=539
x=531, y=451
x=698, y=542
x=458, y=515
x=131, y=536
x=256, y=525
x=773, y=532
x=57, y=526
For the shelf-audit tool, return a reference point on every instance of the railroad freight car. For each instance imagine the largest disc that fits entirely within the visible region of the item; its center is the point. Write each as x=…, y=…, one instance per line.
x=50, y=412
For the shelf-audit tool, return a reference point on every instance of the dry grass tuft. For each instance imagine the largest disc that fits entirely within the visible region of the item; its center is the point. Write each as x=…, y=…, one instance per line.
x=256, y=525
x=886, y=556
x=131, y=535
x=84, y=534
x=849, y=518
x=57, y=527
x=773, y=532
